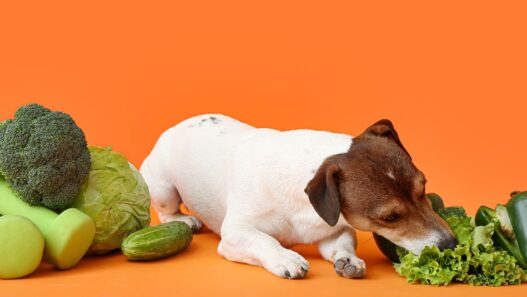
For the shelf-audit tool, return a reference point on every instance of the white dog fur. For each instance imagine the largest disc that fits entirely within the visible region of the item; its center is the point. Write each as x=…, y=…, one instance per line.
x=247, y=185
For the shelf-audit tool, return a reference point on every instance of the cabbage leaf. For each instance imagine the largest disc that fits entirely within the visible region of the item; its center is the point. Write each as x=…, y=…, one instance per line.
x=116, y=197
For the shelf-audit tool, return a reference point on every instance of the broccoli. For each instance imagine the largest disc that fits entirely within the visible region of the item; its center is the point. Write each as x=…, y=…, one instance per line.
x=453, y=211
x=43, y=156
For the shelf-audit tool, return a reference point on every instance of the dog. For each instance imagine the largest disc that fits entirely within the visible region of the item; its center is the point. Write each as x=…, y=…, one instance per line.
x=264, y=190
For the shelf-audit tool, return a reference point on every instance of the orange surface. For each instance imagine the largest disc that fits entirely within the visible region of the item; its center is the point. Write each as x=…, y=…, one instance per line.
x=451, y=75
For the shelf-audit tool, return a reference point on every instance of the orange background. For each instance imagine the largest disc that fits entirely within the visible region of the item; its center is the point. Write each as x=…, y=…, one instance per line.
x=451, y=75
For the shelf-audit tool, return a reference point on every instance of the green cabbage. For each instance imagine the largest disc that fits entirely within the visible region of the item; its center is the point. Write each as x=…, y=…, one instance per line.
x=116, y=197
x=474, y=261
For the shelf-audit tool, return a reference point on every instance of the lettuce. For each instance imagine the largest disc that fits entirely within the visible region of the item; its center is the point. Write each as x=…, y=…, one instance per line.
x=474, y=261
x=458, y=221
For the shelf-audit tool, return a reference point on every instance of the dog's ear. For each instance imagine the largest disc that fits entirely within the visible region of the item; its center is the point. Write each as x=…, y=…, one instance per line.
x=384, y=128
x=324, y=193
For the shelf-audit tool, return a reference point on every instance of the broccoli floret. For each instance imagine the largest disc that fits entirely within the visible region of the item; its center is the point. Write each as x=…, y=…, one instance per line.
x=43, y=156
x=453, y=211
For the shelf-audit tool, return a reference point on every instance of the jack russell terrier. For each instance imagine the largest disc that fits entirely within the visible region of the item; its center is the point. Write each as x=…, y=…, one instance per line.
x=264, y=190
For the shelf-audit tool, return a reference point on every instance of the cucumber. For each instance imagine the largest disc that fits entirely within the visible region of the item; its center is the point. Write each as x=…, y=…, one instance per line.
x=157, y=242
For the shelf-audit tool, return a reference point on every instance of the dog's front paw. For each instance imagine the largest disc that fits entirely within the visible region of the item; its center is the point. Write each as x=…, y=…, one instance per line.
x=288, y=264
x=350, y=267
x=194, y=223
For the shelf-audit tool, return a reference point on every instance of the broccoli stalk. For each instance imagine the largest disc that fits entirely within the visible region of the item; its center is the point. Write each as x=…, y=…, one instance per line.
x=43, y=156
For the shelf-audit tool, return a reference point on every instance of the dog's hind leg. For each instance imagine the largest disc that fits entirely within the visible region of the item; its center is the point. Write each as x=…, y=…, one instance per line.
x=165, y=197
x=241, y=242
x=168, y=211
x=340, y=250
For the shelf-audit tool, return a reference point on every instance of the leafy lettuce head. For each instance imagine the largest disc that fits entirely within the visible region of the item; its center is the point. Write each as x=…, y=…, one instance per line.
x=116, y=197
x=474, y=261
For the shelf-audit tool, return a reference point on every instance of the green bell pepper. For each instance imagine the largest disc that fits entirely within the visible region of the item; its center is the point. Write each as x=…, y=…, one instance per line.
x=517, y=209
x=511, y=217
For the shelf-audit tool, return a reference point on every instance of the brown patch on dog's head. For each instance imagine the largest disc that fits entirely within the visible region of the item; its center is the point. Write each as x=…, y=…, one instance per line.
x=377, y=188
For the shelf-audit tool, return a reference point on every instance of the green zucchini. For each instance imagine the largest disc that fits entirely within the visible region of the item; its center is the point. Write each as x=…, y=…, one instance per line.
x=388, y=248
x=157, y=242
x=436, y=200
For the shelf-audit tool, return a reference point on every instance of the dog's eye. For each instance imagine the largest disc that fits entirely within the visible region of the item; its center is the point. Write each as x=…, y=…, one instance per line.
x=391, y=218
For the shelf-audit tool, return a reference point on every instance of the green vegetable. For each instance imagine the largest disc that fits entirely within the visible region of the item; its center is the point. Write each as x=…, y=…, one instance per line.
x=21, y=247
x=43, y=156
x=436, y=200
x=474, y=261
x=388, y=248
x=482, y=238
x=157, y=242
x=458, y=221
x=486, y=216
x=517, y=209
x=505, y=223
x=452, y=212
x=67, y=235
x=116, y=197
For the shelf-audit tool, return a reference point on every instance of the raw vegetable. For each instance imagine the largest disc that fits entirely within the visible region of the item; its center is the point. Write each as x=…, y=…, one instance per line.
x=459, y=222
x=474, y=261
x=510, y=224
x=388, y=248
x=21, y=247
x=116, y=197
x=157, y=242
x=487, y=215
x=505, y=223
x=436, y=200
x=67, y=235
x=43, y=156
x=517, y=209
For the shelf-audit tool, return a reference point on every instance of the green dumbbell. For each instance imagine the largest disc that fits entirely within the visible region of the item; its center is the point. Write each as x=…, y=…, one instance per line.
x=68, y=235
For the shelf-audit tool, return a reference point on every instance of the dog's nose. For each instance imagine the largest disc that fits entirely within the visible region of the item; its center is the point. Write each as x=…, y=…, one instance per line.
x=449, y=243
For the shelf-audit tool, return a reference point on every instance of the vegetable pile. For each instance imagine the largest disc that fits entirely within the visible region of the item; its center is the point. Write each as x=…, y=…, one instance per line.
x=474, y=261
x=61, y=200
x=484, y=256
